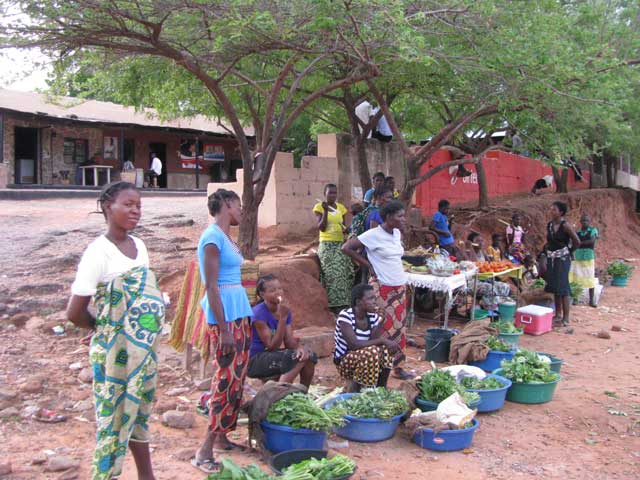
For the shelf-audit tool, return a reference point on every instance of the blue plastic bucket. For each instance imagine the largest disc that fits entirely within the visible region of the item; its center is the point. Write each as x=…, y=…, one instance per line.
x=492, y=400
x=493, y=360
x=446, y=440
x=280, y=438
x=365, y=430
x=620, y=280
x=507, y=311
x=429, y=406
x=510, y=338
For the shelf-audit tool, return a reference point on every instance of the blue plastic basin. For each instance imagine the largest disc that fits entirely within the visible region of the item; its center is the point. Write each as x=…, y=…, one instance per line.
x=447, y=440
x=492, y=400
x=280, y=438
x=493, y=360
x=365, y=430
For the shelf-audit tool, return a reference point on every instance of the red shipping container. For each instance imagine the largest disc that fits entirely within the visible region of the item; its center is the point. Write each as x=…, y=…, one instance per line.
x=535, y=319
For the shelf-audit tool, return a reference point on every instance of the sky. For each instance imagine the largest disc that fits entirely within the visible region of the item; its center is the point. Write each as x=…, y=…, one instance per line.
x=23, y=70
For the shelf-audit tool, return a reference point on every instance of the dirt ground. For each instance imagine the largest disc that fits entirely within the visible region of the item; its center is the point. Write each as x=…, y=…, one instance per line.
x=590, y=430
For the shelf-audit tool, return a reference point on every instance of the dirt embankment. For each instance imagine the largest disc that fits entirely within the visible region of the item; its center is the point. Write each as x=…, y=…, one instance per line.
x=612, y=211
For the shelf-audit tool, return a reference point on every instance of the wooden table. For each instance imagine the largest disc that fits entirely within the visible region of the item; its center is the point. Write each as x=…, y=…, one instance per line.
x=96, y=170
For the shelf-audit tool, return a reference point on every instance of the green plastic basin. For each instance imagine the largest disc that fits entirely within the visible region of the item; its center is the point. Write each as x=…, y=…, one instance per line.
x=530, y=393
x=556, y=363
x=510, y=338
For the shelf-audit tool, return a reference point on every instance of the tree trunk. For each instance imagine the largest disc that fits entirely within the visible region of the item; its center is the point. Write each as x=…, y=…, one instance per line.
x=610, y=163
x=561, y=179
x=483, y=189
x=248, y=235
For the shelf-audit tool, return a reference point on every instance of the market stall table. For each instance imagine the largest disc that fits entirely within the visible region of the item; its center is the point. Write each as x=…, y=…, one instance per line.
x=96, y=169
x=515, y=272
x=446, y=285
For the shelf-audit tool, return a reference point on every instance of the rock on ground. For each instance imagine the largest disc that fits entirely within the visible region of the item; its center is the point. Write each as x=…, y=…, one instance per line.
x=9, y=412
x=60, y=463
x=5, y=468
x=176, y=419
x=86, y=375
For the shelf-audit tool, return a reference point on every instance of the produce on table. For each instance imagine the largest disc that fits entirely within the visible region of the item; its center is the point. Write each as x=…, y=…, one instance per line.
x=440, y=265
x=375, y=403
x=488, y=383
x=528, y=367
x=494, y=267
x=539, y=283
x=506, y=327
x=494, y=343
x=232, y=471
x=324, y=469
x=298, y=410
x=437, y=385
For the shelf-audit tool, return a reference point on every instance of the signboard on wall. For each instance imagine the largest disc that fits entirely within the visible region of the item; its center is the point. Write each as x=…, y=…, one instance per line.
x=110, y=150
x=192, y=151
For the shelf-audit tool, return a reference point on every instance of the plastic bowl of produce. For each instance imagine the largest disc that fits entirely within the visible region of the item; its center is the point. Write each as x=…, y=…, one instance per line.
x=429, y=406
x=493, y=360
x=492, y=400
x=530, y=393
x=367, y=430
x=280, y=461
x=556, y=363
x=280, y=438
x=446, y=440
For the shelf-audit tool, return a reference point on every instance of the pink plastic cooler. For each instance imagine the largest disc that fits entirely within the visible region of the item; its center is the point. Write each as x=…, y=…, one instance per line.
x=535, y=319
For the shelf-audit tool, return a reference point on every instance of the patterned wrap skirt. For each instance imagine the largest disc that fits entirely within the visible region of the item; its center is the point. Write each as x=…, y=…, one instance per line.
x=365, y=365
x=393, y=310
x=336, y=272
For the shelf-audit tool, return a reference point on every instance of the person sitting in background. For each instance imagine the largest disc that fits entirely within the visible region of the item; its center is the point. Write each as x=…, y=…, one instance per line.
x=474, y=248
x=275, y=352
x=440, y=224
x=530, y=273
x=494, y=250
x=154, y=171
x=362, y=355
x=355, y=210
x=515, y=239
x=382, y=130
x=544, y=182
x=378, y=181
x=381, y=197
x=391, y=183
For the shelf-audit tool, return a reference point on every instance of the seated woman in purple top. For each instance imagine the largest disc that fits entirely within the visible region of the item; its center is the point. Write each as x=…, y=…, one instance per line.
x=271, y=324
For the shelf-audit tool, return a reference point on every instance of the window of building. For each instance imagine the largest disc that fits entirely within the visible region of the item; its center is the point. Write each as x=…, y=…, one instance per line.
x=75, y=150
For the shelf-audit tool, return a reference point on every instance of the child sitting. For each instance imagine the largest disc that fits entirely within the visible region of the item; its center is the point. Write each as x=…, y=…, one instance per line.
x=494, y=251
x=530, y=273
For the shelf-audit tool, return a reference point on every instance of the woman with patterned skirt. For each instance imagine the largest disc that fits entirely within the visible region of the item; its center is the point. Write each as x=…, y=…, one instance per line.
x=114, y=270
x=383, y=246
x=583, y=268
x=362, y=355
x=336, y=269
x=227, y=311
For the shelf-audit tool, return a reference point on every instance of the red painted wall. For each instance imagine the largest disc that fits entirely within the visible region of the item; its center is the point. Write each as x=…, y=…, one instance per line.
x=506, y=174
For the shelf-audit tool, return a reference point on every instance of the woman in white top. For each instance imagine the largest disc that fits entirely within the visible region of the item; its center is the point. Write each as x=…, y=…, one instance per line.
x=114, y=271
x=384, y=249
x=362, y=354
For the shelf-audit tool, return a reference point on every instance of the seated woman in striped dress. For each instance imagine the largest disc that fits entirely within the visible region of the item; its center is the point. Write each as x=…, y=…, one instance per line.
x=362, y=354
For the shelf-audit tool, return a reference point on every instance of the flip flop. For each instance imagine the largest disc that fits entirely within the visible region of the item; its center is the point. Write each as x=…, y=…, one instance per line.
x=207, y=466
x=230, y=447
x=403, y=375
x=48, y=416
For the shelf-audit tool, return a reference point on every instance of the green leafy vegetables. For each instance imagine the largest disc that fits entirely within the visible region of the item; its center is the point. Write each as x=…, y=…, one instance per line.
x=312, y=469
x=528, y=367
x=473, y=383
x=437, y=385
x=375, y=403
x=619, y=268
x=325, y=469
x=506, y=327
x=494, y=343
x=297, y=410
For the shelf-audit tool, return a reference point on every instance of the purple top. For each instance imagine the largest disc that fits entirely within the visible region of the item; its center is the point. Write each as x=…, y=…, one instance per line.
x=262, y=313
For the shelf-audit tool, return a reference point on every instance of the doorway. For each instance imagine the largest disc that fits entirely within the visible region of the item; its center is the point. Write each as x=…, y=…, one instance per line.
x=160, y=149
x=26, y=155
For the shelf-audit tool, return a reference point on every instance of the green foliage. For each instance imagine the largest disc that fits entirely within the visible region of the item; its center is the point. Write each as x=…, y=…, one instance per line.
x=506, y=327
x=576, y=291
x=527, y=367
x=338, y=466
x=497, y=345
x=375, y=403
x=472, y=383
x=437, y=385
x=619, y=268
x=298, y=410
x=232, y=471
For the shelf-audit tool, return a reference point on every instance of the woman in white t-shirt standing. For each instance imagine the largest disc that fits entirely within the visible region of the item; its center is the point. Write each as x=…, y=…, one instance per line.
x=114, y=271
x=384, y=249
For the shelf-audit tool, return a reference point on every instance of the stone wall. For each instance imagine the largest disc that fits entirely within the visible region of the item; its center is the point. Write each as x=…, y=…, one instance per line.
x=186, y=181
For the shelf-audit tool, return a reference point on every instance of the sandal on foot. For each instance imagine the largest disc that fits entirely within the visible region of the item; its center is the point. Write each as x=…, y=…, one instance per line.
x=229, y=447
x=402, y=375
x=207, y=466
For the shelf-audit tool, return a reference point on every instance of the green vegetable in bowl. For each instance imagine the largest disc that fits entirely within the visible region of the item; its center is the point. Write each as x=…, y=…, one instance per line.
x=528, y=367
x=325, y=469
x=473, y=383
x=298, y=410
x=437, y=385
x=619, y=268
x=494, y=343
x=375, y=403
x=229, y=470
x=506, y=327
x=539, y=283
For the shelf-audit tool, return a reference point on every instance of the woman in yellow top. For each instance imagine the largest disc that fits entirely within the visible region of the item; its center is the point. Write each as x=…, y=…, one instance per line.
x=336, y=268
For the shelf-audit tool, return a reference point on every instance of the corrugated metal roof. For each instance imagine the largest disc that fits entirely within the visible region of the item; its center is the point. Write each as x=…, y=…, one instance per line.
x=102, y=112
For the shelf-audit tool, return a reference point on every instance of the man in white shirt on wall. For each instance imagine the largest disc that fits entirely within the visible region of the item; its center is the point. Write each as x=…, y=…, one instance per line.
x=155, y=171
x=363, y=112
x=382, y=131
x=544, y=182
